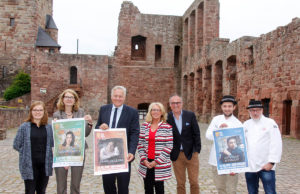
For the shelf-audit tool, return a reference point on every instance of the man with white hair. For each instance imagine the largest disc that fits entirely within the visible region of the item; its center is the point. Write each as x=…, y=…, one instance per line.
x=264, y=149
x=119, y=115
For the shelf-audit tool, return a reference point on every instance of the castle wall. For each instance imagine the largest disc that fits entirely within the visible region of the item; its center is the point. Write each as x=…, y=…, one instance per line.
x=52, y=72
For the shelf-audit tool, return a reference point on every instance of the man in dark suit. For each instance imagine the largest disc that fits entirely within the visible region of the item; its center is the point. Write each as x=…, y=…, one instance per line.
x=118, y=115
x=186, y=145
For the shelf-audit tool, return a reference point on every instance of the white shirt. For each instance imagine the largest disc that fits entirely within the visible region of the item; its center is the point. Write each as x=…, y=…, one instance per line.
x=264, y=142
x=232, y=122
x=119, y=111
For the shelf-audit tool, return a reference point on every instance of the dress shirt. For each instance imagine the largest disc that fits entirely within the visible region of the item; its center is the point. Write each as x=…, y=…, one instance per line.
x=264, y=142
x=179, y=125
x=232, y=122
x=119, y=111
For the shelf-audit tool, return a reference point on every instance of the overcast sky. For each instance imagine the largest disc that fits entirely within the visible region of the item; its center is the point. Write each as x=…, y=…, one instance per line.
x=95, y=22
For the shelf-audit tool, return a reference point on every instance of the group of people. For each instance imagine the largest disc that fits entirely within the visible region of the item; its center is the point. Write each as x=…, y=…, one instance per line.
x=163, y=140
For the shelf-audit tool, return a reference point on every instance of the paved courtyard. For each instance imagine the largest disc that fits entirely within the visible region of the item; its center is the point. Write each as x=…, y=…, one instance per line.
x=288, y=171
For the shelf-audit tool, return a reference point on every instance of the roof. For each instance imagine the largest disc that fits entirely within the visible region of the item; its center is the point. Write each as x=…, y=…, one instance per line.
x=44, y=39
x=50, y=24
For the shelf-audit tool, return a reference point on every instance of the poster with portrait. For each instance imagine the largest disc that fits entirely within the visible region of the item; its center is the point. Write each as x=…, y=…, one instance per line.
x=231, y=150
x=110, y=151
x=69, y=142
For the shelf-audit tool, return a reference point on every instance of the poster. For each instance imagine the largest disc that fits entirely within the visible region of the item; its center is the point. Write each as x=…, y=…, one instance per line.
x=69, y=142
x=110, y=151
x=231, y=150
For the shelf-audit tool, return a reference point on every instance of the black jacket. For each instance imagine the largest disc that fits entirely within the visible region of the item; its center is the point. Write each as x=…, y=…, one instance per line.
x=189, y=137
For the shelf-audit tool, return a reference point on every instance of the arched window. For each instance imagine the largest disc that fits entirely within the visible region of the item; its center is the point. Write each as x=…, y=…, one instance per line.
x=73, y=75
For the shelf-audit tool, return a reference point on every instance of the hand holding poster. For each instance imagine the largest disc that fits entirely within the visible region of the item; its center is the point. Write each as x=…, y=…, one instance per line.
x=69, y=142
x=110, y=151
x=231, y=150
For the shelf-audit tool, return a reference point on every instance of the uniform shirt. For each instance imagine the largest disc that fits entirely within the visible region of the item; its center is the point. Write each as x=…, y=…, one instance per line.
x=264, y=142
x=232, y=122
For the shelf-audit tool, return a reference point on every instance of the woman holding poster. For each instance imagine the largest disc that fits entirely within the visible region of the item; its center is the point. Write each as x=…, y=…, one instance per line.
x=154, y=148
x=34, y=142
x=68, y=108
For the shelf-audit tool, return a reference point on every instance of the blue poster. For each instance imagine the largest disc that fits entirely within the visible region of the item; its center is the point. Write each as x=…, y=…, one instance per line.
x=231, y=150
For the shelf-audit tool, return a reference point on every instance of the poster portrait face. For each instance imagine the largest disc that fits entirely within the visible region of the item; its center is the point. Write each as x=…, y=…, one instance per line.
x=69, y=139
x=111, y=151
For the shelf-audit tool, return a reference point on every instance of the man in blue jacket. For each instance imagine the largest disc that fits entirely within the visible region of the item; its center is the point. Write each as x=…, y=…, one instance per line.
x=119, y=115
x=186, y=145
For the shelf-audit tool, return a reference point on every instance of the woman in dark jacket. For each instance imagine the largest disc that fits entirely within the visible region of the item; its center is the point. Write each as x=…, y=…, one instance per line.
x=34, y=142
x=68, y=108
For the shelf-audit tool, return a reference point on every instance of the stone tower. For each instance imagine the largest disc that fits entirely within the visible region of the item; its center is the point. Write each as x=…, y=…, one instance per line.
x=26, y=27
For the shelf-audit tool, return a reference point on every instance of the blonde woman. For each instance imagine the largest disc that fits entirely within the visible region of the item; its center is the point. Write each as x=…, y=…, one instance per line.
x=154, y=148
x=34, y=142
x=68, y=108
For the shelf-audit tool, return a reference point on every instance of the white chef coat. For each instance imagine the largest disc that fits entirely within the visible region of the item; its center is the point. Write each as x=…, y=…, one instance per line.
x=264, y=142
x=232, y=122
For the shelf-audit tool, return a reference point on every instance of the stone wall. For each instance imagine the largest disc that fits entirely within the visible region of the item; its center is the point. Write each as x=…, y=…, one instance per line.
x=22, y=101
x=11, y=118
x=264, y=68
x=51, y=73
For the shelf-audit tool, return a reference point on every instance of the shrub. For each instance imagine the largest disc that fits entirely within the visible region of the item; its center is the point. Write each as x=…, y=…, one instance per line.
x=19, y=87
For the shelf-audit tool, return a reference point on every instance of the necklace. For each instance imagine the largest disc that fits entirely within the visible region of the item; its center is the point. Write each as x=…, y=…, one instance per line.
x=69, y=114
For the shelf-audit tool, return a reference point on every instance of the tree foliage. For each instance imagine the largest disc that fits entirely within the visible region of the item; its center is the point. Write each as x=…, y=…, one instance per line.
x=20, y=86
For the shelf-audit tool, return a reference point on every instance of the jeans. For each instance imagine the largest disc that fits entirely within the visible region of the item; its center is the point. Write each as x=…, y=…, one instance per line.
x=267, y=178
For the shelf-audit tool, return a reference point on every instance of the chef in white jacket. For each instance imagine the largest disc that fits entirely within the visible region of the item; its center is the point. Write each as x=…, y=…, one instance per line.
x=225, y=183
x=264, y=149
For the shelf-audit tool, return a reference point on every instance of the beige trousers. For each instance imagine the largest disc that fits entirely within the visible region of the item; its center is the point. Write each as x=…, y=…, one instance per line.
x=225, y=183
x=192, y=166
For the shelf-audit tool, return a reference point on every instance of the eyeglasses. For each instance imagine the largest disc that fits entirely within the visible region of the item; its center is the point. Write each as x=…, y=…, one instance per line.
x=175, y=103
x=255, y=110
x=37, y=110
x=155, y=110
x=69, y=97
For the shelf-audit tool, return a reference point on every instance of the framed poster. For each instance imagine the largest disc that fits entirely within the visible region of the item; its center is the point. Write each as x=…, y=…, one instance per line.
x=69, y=142
x=110, y=151
x=231, y=150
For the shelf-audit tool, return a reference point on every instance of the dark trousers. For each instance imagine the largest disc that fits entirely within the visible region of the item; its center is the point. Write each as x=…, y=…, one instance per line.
x=39, y=182
x=109, y=182
x=62, y=176
x=149, y=182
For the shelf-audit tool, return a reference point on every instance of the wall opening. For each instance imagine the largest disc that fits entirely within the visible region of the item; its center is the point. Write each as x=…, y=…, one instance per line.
x=12, y=22
x=157, y=52
x=138, y=48
x=192, y=34
x=142, y=110
x=199, y=93
x=185, y=42
x=176, y=56
x=184, y=90
x=232, y=77
x=73, y=75
x=266, y=106
x=208, y=94
x=218, y=86
x=191, y=92
x=286, y=117
x=4, y=71
x=199, y=34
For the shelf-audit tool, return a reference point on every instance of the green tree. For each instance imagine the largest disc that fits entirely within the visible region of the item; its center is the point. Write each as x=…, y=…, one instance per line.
x=20, y=86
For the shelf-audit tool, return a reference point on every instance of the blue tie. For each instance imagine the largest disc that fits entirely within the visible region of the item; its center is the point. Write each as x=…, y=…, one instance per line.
x=114, y=119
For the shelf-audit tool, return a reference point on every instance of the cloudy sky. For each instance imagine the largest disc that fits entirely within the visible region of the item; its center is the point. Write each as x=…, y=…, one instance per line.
x=95, y=22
